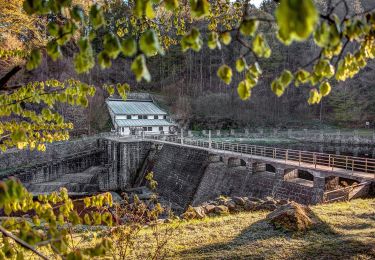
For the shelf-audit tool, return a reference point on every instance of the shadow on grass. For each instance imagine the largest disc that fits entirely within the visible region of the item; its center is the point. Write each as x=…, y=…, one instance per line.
x=321, y=242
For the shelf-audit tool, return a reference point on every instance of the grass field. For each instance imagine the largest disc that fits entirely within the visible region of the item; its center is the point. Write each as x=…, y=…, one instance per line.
x=347, y=231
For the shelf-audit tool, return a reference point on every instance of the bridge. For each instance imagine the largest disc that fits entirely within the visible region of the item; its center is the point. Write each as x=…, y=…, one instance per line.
x=356, y=167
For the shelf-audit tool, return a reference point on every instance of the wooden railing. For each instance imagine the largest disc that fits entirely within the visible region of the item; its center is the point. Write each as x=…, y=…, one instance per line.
x=316, y=159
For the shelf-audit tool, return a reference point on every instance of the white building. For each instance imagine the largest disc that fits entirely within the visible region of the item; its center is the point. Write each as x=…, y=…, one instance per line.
x=138, y=114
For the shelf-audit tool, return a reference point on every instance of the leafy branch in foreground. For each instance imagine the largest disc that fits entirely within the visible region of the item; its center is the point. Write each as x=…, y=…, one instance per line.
x=44, y=226
x=141, y=33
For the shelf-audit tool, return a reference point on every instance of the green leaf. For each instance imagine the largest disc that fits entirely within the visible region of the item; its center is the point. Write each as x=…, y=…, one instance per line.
x=192, y=40
x=225, y=74
x=34, y=60
x=53, y=29
x=53, y=50
x=144, y=8
x=77, y=13
x=315, y=97
x=255, y=70
x=140, y=69
x=226, y=38
x=36, y=7
x=149, y=43
x=171, y=4
x=302, y=77
x=84, y=60
x=296, y=20
x=96, y=16
x=129, y=47
x=213, y=41
x=244, y=90
x=122, y=90
x=241, y=64
x=104, y=60
x=286, y=78
x=249, y=27
x=277, y=88
x=199, y=8
x=327, y=36
x=112, y=45
x=325, y=89
x=261, y=47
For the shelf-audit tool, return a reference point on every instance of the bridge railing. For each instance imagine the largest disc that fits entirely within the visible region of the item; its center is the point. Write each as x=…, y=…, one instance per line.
x=329, y=161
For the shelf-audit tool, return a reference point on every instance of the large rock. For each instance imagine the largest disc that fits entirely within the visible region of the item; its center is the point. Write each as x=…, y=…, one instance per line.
x=239, y=201
x=292, y=217
x=194, y=213
x=221, y=210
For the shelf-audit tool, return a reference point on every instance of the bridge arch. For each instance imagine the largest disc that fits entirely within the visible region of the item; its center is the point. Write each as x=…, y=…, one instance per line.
x=243, y=162
x=270, y=168
x=299, y=176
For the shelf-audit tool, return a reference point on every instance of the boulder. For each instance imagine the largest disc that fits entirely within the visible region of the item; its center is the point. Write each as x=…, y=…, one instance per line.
x=231, y=205
x=254, y=199
x=221, y=210
x=292, y=217
x=266, y=206
x=250, y=205
x=282, y=202
x=209, y=208
x=194, y=213
x=239, y=201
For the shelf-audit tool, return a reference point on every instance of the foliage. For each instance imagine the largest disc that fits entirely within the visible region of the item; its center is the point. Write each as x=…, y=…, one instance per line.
x=46, y=223
x=137, y=214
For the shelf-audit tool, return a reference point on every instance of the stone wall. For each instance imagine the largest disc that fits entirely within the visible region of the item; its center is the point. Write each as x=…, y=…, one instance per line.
x=223, y=179
x=178, y=171
x=58, y=159
x=14, y=159
x=123, y=161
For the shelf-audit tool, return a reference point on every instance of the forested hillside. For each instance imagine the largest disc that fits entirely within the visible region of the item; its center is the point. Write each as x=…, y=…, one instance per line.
x=187, y=84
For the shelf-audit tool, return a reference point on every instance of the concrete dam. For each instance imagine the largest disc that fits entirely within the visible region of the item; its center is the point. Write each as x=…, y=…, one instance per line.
x=186, y=175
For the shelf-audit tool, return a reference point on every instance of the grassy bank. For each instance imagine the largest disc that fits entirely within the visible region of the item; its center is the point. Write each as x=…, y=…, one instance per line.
x=347, y=232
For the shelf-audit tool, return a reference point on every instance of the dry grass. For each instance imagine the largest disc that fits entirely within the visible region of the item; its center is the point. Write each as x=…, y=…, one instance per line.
x=347, y=232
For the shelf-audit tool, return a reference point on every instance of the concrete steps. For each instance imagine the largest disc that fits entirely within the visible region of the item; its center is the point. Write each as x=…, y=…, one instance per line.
x=74, y=182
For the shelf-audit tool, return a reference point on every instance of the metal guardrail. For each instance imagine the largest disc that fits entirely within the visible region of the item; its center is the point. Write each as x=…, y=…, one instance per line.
x=331, y=161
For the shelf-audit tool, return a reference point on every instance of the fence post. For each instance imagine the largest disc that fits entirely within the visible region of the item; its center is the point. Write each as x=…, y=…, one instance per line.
x=209, y=139
x=182, y=136
x=366, y=166
x=346, y=162
x=314, y=154
x=329, y=160
x=299, y=159
x=286, y=155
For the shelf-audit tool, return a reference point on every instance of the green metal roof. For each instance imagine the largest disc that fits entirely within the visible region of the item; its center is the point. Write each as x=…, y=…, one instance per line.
x=134, y=108
x=142, y=122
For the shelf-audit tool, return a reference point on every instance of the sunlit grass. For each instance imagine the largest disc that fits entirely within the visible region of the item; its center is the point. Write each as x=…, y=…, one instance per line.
x=346, y=231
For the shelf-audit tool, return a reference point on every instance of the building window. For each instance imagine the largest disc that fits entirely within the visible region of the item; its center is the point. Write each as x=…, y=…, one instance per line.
x=139, y=117
x=128, y=117
x=145, y=117
x=150, y=129
x=160, y=128
x=142, y=117
x=145, y=129
x=156, y=117
x=165, y=117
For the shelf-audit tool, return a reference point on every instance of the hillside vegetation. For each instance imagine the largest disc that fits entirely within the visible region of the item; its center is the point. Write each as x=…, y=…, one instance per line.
x=347, y=231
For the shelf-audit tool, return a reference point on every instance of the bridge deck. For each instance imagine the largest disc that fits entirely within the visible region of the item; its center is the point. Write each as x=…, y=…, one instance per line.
x=310, y=166
x=345, y=166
